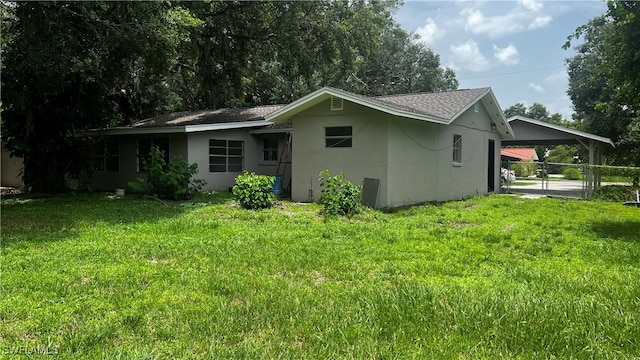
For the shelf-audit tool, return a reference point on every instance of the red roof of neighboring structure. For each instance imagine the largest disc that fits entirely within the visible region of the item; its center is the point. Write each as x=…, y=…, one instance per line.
x=524, y=154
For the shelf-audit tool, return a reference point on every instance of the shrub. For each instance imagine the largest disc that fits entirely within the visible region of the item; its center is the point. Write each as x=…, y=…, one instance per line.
x=168, y=181
x=615, y=193
x=254, y=191
x=571, y=173
x=524, y=169
x=338, y=196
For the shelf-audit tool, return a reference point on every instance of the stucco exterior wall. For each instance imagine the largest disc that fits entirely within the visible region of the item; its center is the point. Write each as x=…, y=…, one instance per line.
x=366, y=158
x=421, y=166
x=413, y=159
x=11, y=169
x=198, y=149
x=128, y=145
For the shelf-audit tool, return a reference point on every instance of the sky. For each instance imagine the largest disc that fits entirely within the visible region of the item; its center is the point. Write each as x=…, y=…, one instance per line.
x=514, y=47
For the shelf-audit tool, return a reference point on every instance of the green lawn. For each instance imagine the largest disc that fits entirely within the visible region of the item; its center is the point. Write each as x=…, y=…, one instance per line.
x=94, y=276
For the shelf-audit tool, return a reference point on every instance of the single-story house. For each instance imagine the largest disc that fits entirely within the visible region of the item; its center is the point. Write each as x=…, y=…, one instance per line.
x=519, y=154
x=412, y=148
x=405, y=149
x=222, y=142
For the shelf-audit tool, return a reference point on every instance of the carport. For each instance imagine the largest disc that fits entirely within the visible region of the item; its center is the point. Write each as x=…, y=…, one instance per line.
x=530, y=132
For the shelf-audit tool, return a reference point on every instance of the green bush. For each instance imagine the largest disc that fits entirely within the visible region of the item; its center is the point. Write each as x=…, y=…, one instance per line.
x=254, y=191
x=338, y=196
x=524, y=169
x=571, y=173
x=168, y=181
x=615, y=193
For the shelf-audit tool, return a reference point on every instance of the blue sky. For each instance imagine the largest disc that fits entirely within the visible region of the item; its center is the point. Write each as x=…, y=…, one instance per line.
x=515, y=47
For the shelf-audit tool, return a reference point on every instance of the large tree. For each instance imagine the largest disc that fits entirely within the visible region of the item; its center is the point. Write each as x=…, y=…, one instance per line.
x=77, y=65
x=604, y=79
x=71, y=66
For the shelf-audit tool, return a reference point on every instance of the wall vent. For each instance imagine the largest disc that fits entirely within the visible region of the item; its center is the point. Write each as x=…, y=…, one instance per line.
x=336, y=103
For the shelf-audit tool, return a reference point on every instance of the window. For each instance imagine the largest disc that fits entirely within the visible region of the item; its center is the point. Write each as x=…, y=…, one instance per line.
x=270, y=149
x=144, y=147
x=106, y=156
x=226, y=155
x=457, y=149
x=339, y=136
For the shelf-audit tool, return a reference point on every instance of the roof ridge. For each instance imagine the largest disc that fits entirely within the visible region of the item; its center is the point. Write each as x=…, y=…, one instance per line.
x=430, y=92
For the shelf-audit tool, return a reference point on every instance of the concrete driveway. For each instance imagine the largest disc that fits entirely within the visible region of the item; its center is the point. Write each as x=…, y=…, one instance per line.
x=553, y=187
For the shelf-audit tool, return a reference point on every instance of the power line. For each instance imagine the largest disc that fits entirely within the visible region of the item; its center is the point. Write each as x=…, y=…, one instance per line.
x=512, y=73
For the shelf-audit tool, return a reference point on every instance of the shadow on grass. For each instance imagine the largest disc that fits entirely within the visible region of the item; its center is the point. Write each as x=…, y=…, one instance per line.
x=44, y=218
x=620, y=230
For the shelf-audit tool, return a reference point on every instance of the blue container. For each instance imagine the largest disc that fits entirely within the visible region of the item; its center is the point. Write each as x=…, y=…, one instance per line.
x=277, y=186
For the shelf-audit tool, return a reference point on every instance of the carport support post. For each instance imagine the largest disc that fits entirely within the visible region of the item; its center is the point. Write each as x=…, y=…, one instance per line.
x=590, y=176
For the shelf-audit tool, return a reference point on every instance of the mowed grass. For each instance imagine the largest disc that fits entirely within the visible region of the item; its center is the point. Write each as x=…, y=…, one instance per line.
x=95, y=276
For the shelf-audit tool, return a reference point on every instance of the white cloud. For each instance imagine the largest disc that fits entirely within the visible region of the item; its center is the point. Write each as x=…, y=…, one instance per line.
x=531, y=4
x=506, y=56
x=468, y=56
x=535, y=87
x=429, y=32
x=526, y=15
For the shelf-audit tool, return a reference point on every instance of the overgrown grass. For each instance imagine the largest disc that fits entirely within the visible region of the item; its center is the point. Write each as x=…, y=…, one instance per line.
x=94, y=276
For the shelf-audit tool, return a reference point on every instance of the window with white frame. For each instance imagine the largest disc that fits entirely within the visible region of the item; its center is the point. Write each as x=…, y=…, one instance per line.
x=338, y=136
x=226, y=155
x=457, y=149
x=270, y=149
x=106, y=156
x=144, y=148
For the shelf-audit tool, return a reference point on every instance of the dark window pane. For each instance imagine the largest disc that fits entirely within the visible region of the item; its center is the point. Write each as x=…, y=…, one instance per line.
x=217, y=160
x=235, y=160
x=113, y=163
x=338, y=142
x=235, y=168
x=236, y=152
x=218, y=143
x=235, y=144
x=338, y=131
x=217, y=168
x=217, y=151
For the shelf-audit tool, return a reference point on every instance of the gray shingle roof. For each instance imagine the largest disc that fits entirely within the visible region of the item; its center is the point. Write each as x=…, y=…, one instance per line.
x=208, y=116
x=444, y=105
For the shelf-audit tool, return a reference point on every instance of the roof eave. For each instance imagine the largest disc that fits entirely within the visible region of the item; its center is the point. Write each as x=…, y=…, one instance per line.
x=495, y=113
x=563, y=129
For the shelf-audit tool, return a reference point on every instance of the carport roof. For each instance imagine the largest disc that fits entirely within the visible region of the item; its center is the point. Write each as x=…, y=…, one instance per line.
x=535, y=132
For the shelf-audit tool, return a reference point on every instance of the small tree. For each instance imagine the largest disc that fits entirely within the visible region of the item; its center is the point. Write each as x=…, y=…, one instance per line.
x=338, y=196
x=254, y=191
x=168, y=181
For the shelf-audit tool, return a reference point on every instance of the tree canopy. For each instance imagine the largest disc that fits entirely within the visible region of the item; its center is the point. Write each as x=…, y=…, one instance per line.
x=71, y=66
x=604, y=79
x=536, y=111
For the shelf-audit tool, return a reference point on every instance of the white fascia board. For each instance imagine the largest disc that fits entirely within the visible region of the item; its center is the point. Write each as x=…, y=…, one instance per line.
x=226, y=126
x=562, y=129
x=140, y=131
x=318, y=96
x=497, y=115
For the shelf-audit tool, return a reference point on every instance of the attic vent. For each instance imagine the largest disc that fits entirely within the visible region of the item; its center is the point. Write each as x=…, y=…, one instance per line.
x=336, y=103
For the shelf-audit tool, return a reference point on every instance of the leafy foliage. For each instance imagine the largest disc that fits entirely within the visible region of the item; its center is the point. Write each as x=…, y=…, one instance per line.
x=72, y=66
x=524, y=168
x=338, y=196
x=571, y=173
x=616, y=193
x=604, y=79
x=168, y=181
x=254, y=191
